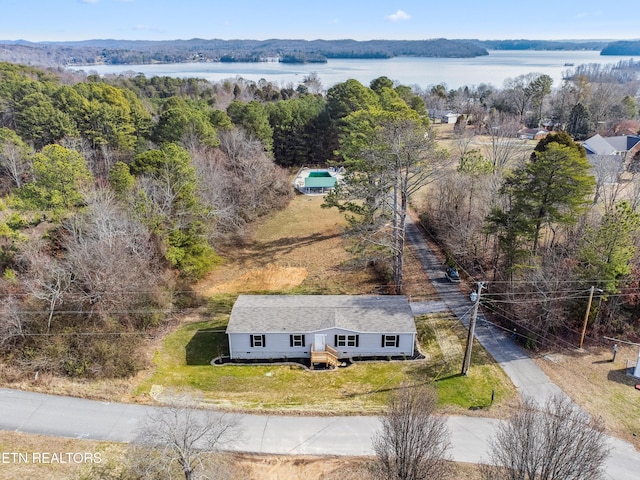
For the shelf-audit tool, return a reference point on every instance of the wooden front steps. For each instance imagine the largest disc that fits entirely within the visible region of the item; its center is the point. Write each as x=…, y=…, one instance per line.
x=328, y=356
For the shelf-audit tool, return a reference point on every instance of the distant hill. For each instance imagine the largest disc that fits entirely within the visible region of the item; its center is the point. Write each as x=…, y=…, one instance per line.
x=541, y=44
x=622, y=48
x=122, y=52
x=130, y=52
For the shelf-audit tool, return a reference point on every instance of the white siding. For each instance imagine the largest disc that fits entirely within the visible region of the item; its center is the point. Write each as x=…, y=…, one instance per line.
x=370, y=344
x=278, y=345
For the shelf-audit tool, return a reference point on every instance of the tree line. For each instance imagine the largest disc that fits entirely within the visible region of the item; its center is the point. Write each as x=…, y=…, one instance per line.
x=130, y=52
x=544, y=227
x=112, y=204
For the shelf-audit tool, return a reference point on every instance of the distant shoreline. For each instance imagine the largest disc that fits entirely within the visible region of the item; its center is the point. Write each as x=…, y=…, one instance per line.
x=455, y=72
x=139, y=52
x=95, y=53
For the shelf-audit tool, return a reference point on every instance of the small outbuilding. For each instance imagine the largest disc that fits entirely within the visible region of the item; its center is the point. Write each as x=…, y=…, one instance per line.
x=317, y=181
x=322, y=328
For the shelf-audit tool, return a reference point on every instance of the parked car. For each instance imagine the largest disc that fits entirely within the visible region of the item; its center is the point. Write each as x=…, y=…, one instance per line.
x=452, y=275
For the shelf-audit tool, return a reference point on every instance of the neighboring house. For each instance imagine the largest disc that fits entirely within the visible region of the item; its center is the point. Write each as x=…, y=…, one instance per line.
x=609, y=156
x=322, y=328
x=624, y=146
x=532, y=133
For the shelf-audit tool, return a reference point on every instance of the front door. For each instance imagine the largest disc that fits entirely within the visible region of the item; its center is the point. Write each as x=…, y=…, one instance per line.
x=319, y=342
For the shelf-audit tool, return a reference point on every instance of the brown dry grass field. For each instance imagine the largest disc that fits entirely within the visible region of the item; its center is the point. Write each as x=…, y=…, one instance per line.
x=600, y=386
x=246, y=466
x=447, y=139
x=300, y=246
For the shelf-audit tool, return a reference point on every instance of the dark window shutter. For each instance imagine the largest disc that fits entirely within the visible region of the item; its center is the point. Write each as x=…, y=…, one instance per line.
x=397, y=341
x=264, y=343
x=382, y=341
x=357, y=340
x=291, y=340
x=303, y=340
x=251, y=337
x=335, y=341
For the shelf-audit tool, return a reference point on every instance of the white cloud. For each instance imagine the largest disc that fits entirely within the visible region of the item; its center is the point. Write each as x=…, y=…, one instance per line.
x=399, y=15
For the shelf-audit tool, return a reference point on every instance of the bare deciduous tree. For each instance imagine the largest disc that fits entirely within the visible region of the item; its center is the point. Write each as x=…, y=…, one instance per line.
x=558, y=441
x=15, y=162
x=607, y=170
x=111, y=256
x=313, y=83
x=49, y=281
x=505, y=147
x=239, y=181
x=184, y=436
x=414, y=440
x=13, y=323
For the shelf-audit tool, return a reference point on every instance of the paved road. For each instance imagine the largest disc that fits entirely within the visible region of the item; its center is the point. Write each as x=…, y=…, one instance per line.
x=88, y=419
x=520, y=367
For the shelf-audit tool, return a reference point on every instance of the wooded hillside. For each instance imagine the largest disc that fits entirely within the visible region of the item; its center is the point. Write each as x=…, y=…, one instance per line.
x=124, y=52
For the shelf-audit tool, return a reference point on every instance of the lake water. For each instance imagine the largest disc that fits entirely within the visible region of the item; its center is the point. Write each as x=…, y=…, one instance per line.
x=454, y=72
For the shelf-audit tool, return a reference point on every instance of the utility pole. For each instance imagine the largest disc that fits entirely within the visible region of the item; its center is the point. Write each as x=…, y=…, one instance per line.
x=472, y=327
x=586, y=315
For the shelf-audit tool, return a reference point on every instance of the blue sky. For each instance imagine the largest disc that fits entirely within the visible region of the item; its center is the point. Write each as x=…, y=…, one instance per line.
x=41, y=20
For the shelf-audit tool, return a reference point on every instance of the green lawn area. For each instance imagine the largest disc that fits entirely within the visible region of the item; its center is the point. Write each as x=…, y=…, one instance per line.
x=182, y=364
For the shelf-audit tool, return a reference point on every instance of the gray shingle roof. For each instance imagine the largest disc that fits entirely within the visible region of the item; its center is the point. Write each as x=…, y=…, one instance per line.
x=623, y=143
x=312, y=313
x=599, y=145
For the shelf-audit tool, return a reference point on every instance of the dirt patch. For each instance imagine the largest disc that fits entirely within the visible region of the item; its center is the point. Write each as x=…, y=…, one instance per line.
x=271, y=278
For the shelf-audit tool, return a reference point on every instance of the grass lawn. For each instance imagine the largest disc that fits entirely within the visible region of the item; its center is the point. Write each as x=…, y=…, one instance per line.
x=182, y=364
x=306, y=237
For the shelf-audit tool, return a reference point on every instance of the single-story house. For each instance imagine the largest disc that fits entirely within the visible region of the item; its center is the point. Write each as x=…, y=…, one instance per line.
x=610, y=156
x=323, y=328
x=622, y=145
